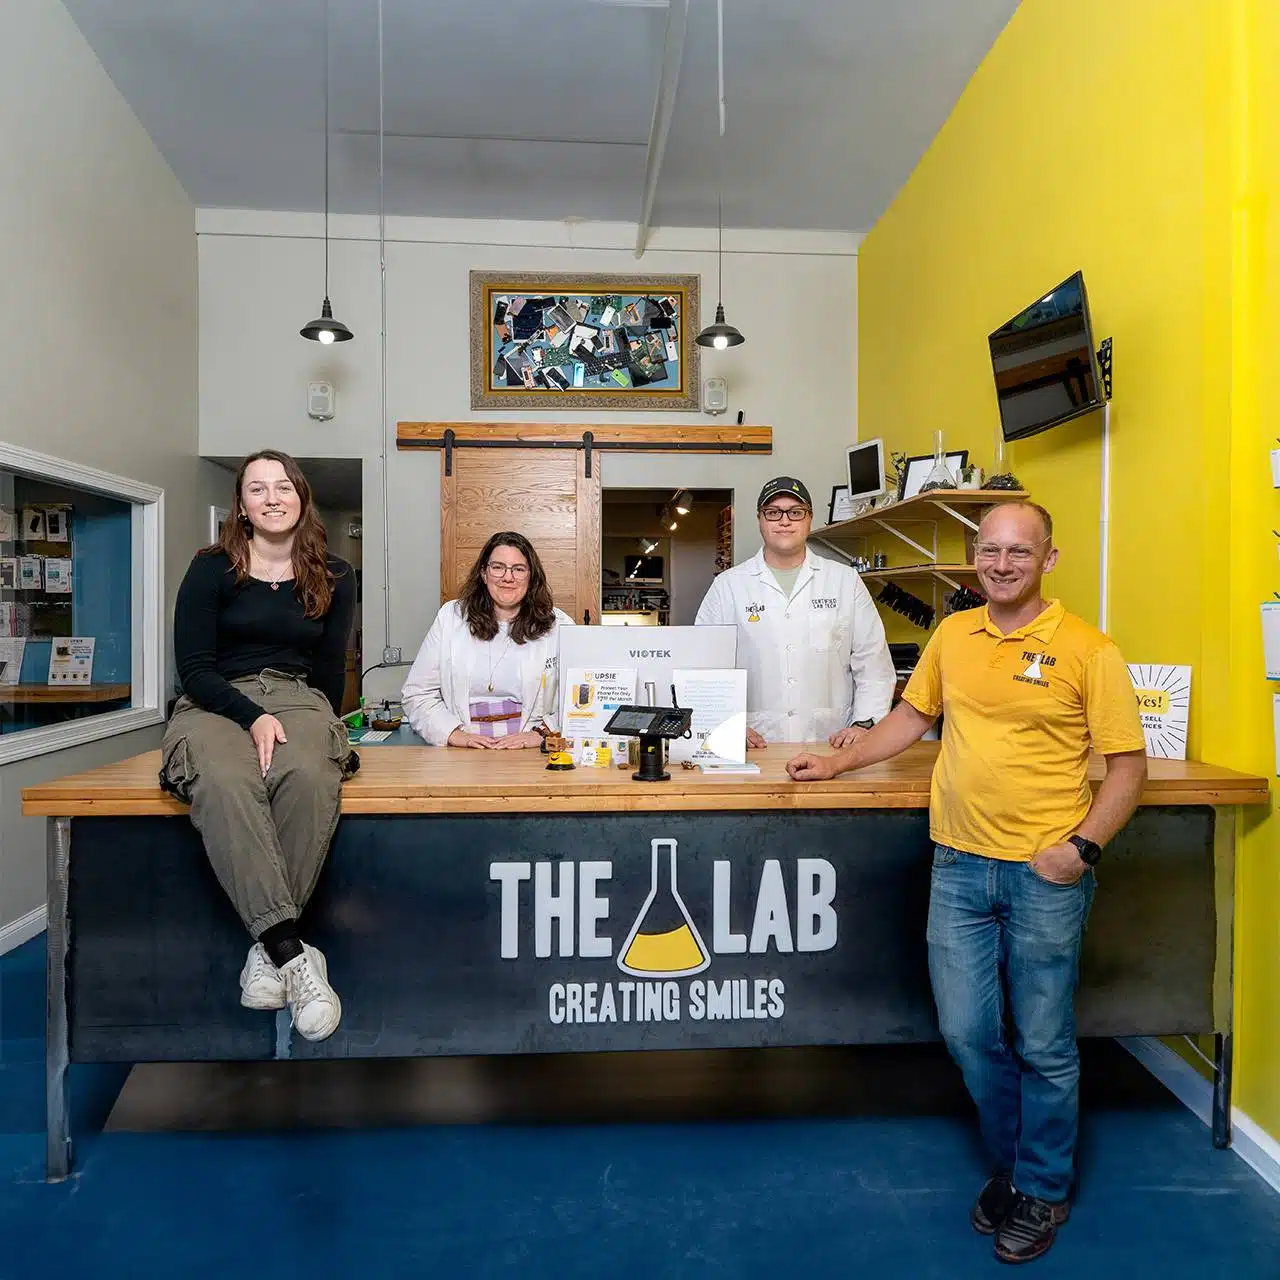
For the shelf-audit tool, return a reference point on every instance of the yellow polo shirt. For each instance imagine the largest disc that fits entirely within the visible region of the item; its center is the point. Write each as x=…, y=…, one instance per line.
x=1020, y=714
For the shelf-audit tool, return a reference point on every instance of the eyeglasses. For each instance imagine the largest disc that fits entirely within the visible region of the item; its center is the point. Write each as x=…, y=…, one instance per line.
x=516, y=571
x=793, y=514
x=1019, y=553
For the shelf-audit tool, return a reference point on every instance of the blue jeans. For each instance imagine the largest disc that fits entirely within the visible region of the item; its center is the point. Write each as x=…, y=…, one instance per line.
x=1004, y=955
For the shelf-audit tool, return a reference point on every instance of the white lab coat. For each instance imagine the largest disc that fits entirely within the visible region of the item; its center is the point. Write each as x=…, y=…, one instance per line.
x=815, y=662
x=437, y=692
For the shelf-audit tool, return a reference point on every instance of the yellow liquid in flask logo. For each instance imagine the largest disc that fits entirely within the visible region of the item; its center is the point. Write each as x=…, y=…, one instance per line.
x=664, y=942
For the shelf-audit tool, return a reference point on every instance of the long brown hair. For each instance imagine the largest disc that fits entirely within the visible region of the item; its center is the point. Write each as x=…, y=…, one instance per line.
x=537, y=612
x=312, y=578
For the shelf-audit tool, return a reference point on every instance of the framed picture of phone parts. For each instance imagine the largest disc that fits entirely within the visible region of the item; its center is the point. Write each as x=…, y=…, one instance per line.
x=579, y=341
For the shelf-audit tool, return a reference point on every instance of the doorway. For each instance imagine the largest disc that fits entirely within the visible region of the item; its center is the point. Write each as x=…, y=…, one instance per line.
x=660, y=551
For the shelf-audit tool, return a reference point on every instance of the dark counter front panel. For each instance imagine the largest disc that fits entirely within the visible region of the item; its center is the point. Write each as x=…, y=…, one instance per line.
x=791, y=929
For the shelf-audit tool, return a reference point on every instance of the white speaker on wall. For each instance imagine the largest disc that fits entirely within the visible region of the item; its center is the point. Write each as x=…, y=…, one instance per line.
x=715, y=395
x=320, y=399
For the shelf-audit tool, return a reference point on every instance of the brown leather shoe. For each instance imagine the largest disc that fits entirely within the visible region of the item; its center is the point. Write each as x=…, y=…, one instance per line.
x=1029, y=1228
x=993, y=1204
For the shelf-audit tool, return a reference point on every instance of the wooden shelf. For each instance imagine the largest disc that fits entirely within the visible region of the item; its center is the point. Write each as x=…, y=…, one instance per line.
x=942, y=571
x=663, y=437
x=924, y=507
x=27, y=693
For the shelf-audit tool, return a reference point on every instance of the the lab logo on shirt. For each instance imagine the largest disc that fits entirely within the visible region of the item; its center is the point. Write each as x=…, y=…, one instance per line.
x=824, y=602
x=1034, y=673
x=754, y=611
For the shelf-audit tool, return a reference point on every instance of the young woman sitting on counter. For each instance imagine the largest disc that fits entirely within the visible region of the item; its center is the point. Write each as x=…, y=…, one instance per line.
x=254, y=744
x=486, y=675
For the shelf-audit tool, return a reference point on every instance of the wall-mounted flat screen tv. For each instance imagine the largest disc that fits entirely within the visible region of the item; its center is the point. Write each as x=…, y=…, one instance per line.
x=1044, y=361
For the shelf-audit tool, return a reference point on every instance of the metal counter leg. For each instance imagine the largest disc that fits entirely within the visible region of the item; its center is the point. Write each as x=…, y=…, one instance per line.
x=56, y=1050
x=1221, y=1090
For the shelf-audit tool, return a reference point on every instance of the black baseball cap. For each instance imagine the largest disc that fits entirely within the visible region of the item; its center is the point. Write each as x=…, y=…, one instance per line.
x=780, y=485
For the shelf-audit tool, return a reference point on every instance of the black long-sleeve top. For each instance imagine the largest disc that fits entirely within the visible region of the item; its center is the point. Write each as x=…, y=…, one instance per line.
x=222, y=631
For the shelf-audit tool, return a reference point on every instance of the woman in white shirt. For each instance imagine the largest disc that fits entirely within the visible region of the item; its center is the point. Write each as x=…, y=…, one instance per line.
x=487, y=673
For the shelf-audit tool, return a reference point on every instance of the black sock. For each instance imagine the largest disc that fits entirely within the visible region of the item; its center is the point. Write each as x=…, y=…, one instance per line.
x=282, y=942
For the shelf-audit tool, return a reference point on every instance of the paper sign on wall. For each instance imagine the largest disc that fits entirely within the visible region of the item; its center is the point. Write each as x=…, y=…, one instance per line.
x=1164, y=702
x=1271, y=638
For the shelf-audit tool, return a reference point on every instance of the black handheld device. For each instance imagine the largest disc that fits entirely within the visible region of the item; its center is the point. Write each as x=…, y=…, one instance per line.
x=651, y=725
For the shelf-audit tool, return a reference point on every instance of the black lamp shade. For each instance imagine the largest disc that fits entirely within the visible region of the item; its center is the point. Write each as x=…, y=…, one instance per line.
x=327, y=324
x=720, y=334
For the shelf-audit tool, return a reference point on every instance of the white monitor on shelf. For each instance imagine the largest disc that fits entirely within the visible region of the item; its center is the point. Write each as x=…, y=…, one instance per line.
x=866, y=470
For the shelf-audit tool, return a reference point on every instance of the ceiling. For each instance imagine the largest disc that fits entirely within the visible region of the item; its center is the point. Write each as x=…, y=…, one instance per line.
x=509, y=110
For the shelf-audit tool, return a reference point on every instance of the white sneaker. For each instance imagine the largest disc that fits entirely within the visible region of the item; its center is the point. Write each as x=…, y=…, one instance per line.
x=261, y=986
x=315, y=1004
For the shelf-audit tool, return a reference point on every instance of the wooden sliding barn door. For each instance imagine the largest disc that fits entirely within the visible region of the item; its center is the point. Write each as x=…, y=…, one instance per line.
x=544, y=494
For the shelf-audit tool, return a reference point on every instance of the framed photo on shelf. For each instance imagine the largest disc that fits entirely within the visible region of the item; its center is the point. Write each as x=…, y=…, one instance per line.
x=575, y=341
x=917, y=471
x=841, y=505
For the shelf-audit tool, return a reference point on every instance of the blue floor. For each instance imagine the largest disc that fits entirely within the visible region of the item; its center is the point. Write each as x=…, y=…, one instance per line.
x=844, y=1197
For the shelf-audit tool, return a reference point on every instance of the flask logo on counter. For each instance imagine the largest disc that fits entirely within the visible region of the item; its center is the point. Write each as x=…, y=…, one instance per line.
x=562, y=911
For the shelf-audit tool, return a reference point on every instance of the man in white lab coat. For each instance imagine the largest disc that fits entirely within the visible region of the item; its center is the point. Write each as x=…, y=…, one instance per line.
x=809, y=635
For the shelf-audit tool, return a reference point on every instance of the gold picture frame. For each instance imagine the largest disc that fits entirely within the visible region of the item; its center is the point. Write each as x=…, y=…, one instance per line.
x=588, y=341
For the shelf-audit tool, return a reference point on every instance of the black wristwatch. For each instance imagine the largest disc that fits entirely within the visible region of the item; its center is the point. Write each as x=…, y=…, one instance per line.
x=863, y=724
x=1090, y=852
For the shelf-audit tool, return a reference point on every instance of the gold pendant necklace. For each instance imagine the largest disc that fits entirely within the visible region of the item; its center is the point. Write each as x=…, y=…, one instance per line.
x=498, y=663
x=274, y=583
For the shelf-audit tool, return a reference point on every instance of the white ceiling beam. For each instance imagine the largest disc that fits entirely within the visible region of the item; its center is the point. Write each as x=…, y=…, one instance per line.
x=663, y=110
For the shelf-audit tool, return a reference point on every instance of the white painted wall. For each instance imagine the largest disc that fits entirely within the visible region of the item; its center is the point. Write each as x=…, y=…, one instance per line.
x=792, y=294
x=693, y=560
x=97, y=330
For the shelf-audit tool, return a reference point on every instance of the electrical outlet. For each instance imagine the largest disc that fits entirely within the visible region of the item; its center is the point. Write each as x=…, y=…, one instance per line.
x=390, y=654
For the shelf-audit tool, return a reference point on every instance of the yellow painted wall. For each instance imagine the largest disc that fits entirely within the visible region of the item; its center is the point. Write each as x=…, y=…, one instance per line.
x=1137, y=142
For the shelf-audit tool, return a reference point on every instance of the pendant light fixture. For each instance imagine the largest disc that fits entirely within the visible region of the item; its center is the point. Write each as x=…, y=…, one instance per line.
x=326, y=329
x=721, y=334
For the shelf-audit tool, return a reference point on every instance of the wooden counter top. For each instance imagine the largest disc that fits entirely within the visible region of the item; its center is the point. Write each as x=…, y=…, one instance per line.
x=395, y=780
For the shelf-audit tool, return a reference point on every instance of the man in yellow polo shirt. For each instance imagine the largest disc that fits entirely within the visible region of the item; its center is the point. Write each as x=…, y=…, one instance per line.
x=1026, y=691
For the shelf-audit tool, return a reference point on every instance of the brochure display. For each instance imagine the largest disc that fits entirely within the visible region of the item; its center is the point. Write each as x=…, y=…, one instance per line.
x=654, y=654
x=718, y=700
x=11, y=659
x=71, y=660
x=1164, y=702
x=589, y=697
x=67, y=569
